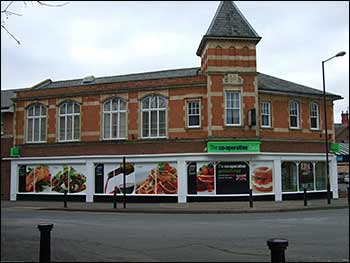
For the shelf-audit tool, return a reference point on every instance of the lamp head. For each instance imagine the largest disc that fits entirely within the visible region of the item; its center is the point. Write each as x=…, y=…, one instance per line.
x=340, y=54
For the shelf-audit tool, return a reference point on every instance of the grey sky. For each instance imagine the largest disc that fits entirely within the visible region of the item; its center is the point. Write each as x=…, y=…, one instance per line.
x=115, y=38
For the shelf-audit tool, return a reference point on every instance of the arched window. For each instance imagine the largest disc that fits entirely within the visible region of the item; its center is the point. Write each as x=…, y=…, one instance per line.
x=153, y=112
x=36, y=123
x=294, y=116
x=314, y=116
x=69, y=121
x=114, y=119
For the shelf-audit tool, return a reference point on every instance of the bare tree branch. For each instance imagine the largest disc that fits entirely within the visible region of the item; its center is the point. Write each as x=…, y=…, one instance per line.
x=11, y=35
x=8, y=13
x=42, y=3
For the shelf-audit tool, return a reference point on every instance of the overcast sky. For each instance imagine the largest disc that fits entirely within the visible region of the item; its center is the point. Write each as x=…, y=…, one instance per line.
x=115, y=38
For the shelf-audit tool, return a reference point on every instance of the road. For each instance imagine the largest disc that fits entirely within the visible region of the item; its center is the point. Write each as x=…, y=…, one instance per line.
x=321, y=236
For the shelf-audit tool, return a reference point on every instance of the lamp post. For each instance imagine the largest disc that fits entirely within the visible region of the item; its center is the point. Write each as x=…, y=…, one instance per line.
x=340, y=54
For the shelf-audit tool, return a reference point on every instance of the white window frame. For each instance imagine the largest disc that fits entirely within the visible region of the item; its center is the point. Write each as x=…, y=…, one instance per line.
x=233, y=108
x=118, y=112
x=41, y=117
x=65, y=116
x=297, y=115
x=149, y=110
x=265, y=114
x=191, y=114
x=317, y=116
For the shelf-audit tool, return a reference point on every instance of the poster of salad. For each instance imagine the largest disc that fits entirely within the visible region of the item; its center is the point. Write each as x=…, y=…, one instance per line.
x=68, y=177
x=156, y=178
x=262, y=177
x=232, y=178
x=205, y=178
x=113, y=178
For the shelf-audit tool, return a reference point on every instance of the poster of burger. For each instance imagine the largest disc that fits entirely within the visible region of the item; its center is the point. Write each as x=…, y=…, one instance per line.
x=261, y=177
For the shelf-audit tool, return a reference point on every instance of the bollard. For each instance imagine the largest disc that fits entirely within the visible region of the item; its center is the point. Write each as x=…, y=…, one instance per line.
x=124, y=185
x=250, y=198
x=305, y=197
x=115, y=198
x=277, y=247
x=328, y=193
x=65, y=198
x=45, y=242
x=348, y=195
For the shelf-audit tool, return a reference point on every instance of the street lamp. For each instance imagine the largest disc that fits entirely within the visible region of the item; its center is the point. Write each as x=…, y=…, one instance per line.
x=340, y=54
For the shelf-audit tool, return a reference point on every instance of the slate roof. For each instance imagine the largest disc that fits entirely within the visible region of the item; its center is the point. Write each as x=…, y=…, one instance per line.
x=265, y=82
x=6, y=103
x=174, y=73
x=269, y=83
x=228, y=22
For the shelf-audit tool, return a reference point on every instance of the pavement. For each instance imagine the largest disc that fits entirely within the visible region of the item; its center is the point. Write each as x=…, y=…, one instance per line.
x=182, y=208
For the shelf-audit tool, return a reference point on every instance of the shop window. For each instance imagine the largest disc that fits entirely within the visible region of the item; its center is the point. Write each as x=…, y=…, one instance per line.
x=193, y=114
x=69, y=121
x=265, y=114
x=289, y=177
x=114, y=119
x=294, y=114
x=153, y=114
x=233, y=108
x=314, y=116
x=306, y=176
x=36, y=124
x=321, y=177
x=2, y=123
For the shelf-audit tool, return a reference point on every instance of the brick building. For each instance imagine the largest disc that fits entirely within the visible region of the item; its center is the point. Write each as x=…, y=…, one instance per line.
x=213, y=131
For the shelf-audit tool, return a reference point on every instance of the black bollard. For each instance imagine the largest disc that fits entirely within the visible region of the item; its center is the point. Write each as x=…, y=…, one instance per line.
x=250, y=198
x=348, y=195
x=277, y=247
x=328, y=193
x=305, y=197
x=124, y=184
x=115, y=198
x=45, y=242
x=65, y=198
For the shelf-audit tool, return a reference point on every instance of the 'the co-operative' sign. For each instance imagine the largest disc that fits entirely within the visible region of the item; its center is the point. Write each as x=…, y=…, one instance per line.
x=234, y=146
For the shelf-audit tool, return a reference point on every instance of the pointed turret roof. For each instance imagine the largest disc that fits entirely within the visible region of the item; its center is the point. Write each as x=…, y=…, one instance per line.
x=228, y=23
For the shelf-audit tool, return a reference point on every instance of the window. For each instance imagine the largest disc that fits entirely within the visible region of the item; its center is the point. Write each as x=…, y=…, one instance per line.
x=294, y=114
x=321, y=176
x=289, y=177
x=153, y=112
x=114, y=119
x=265, y=114
x=2, y=123
x=36, y=123
x=193, y=114
x=233, y=108
x=69, y=121
x=314, y=116
x=306, y=176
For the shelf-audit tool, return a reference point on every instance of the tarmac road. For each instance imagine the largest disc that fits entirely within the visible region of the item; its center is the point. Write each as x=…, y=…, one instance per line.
x=320, y=236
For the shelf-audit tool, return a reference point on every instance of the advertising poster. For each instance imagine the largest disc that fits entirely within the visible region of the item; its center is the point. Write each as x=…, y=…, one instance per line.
x=261, y=177
x=113, y=178
x=68, y=177
x=156, y=178
x=205, y=178
x=192, y=178
x=306, y=176
x=232, y=178
x=43, y=178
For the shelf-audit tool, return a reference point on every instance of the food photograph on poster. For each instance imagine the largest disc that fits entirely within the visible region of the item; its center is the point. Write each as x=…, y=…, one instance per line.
x=156, y=178
x=114, y=178
x=38, y=179
x=232, y=178
x=68, y=177
x=261, y=177
x=205, y=178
